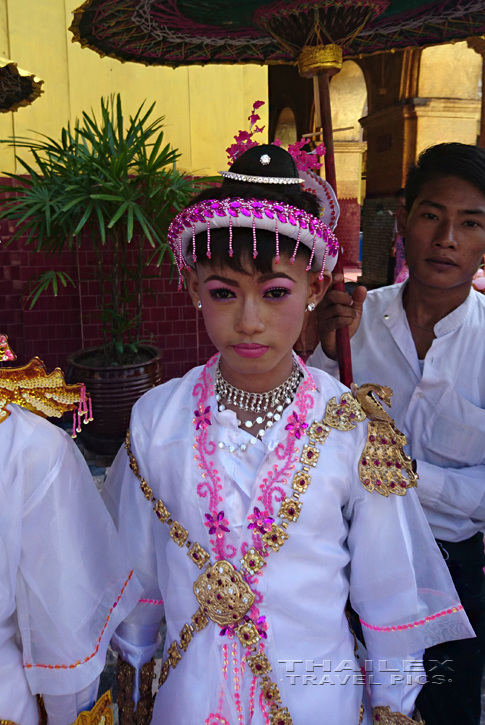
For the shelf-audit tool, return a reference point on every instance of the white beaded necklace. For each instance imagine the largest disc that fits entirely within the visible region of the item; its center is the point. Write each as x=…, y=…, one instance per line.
x=270, y=404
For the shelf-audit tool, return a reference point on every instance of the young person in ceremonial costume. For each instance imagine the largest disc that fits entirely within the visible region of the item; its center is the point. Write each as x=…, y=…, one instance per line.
x=424, y=338
x=243, y=501
x=65, y=583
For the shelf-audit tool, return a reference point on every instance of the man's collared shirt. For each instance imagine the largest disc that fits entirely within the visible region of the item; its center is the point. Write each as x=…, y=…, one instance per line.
x=440, y=410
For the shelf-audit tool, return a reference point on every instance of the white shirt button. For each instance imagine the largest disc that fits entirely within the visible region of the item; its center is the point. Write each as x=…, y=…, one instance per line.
x=419, y=395
x=386, y=317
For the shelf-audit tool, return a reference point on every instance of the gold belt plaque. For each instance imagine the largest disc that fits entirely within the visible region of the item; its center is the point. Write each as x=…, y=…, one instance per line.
x=223, y=595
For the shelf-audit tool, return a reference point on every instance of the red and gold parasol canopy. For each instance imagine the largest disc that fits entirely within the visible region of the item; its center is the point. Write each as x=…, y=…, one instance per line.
x=17, y=87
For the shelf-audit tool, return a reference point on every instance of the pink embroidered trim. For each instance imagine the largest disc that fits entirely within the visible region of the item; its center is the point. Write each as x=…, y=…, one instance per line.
x=86, y=659
x=400, y=627
x=150, y=601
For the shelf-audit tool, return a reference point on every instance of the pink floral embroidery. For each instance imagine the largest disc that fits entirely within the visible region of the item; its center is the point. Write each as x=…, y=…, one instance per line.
x=296, y=426
x=218, y=524
x=287, y=452
x=202, y=418
x=260, y=522
x=272, y=487
x=205, y=449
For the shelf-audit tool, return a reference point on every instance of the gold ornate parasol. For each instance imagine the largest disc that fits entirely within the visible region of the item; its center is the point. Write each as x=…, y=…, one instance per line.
x=17, y=87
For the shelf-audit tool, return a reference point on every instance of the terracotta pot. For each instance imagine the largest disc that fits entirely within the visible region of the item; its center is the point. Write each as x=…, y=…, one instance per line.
x=114, y=390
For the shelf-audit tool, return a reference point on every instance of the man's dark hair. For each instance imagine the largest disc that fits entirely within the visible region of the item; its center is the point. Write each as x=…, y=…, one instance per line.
x=282, y=165
x=446, y=159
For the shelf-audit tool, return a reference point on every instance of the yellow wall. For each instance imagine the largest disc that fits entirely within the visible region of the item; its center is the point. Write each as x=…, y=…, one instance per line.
x=450, y=71
x=348, y=95
x=204, y=107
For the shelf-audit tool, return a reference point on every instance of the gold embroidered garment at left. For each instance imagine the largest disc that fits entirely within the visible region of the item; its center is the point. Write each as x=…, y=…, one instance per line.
x=383, y=466
x=101, y=714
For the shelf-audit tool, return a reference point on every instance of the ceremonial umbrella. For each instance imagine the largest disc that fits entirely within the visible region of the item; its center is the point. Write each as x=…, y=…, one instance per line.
x=17, y=87
x=315, y=34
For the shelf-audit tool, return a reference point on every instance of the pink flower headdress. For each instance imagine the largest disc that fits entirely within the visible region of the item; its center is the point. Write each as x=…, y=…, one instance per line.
x=307, y=164
x=314, y=232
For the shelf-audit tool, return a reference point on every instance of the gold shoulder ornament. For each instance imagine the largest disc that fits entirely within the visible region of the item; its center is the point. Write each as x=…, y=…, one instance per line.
x=47, y=395
x=101, y=714
x=383, y=466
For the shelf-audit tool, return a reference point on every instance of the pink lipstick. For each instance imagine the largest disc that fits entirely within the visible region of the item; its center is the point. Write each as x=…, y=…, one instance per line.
x=250, y=349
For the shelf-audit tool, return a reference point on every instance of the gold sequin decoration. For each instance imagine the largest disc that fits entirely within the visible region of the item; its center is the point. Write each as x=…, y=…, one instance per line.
x=174, y=655
x=318, y=431
x=200, y=621
x=164, y=672
x=32, y=388
x=309, y=455
x=345, y=414
x=271, y=693
x=198, y=555
x=178, y=533
x=276, y=537
x=369, y=397
x=223, y=594
x=185, y=637
x=161, y=511
x=280, y=717
x=101, y=714
x=259, y=664
x=248, y=634
x=290, y=509
x=383, y=716
x=383, y=466
x=252, y=561
x=301, y=481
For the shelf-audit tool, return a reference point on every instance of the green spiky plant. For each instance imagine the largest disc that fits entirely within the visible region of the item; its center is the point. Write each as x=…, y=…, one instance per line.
x=112, y=185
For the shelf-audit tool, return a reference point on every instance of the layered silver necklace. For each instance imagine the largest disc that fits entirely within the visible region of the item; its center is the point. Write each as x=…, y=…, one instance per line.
x=268, y=406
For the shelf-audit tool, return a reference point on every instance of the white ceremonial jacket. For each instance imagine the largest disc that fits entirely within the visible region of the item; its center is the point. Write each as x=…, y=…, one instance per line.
x=441, y=411
x=346, y=541
x=64, y=582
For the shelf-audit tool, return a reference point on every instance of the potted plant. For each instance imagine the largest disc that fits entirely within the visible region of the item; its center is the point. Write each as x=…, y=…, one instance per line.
x=113, y=185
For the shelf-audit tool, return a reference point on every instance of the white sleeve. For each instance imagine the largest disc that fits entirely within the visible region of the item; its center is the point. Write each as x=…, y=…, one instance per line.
x=400, y=585
x=74, y=583
x=319, y=360
x=64, y=709
x=396, y=681
x=136, y=637
x=457, y=492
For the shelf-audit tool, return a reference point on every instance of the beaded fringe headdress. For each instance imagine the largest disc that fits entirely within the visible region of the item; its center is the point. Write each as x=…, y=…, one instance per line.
x=46, y=395
x=280, y=218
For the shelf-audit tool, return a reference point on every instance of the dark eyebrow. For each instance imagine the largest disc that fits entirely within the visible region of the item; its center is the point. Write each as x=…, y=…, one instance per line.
x=275, y=275
x=466, y=212
x=434, y=204
x=263, y=278
x=224, y=280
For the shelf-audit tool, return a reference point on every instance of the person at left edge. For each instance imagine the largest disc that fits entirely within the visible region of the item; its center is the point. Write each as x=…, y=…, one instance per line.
x=65, y=583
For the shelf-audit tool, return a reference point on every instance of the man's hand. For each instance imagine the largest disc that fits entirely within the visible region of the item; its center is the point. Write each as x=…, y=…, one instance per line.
x=336, y=310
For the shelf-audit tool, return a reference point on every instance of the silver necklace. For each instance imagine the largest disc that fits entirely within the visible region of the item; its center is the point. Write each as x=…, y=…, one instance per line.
x=269, y=405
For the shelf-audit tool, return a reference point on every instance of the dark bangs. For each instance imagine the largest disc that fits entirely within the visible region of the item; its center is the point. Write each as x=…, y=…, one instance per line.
x=242, y=243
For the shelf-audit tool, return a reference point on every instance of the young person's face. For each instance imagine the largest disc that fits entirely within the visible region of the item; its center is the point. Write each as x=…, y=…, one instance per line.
x=254, y=320
x=445, y=233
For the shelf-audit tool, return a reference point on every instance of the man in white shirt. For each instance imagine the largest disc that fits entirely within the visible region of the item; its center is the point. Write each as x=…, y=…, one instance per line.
x=425, y=339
